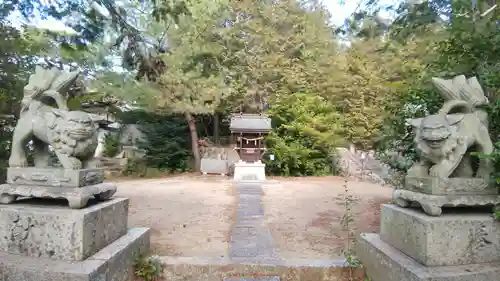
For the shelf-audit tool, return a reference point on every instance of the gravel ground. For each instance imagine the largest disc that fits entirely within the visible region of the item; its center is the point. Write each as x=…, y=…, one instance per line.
x=193, y=216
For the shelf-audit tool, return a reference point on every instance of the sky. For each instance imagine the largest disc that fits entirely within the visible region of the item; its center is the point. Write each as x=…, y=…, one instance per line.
x=339, y=11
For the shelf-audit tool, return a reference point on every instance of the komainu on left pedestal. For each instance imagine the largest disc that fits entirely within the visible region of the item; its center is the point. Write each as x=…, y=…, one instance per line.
x=72, y=135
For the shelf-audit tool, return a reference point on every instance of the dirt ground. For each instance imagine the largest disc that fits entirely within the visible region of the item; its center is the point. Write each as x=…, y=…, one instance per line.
x=187, y=217
x=193, y=216
x=304, y=215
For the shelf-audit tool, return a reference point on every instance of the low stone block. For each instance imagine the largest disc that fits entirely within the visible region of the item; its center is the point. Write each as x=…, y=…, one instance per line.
x=249, y=171
x=451, y=239
x=214, y=166
x=47, y=229
x=383, y=262
x=54, y=177
x=113, y=263
x=77, y=197
x=450, y=186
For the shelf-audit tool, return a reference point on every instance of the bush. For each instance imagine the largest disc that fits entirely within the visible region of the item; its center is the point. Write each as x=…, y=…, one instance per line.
x=167, y=146
x=306, y=131
x=396, y=136
x=5, y=138
x=111, y=145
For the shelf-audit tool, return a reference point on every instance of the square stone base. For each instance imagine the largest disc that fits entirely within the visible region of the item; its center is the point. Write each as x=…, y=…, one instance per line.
x=77, y=197
x=454, y=238
x=113, y=263
x=45, y=229
x=255, y=171
x=385, y=263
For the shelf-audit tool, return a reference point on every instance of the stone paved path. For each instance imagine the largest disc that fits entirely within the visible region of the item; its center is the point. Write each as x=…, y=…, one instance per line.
x=251, y=240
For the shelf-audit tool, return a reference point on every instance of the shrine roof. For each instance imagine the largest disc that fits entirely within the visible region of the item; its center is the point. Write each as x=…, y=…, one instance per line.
x=250, y=123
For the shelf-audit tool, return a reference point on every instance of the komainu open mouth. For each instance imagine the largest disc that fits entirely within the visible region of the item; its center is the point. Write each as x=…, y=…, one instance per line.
x=436, y=143
x=79, y=133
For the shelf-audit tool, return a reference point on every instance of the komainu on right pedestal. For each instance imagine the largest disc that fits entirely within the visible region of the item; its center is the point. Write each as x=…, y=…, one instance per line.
x=424, y=235
x=449, y=172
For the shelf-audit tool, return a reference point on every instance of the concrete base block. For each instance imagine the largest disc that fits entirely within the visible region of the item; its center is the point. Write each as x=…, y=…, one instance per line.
x=249, y=171
x=46, y=229
x=385, y=263
x=454, y=238
x=113, y=263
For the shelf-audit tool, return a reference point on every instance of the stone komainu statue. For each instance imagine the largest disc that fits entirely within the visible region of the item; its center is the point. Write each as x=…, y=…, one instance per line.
x=446, y=140
x=449, y=173
x=71, y=134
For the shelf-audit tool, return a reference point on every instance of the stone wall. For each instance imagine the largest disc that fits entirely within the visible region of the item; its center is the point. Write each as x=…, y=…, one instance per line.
x=362, y=165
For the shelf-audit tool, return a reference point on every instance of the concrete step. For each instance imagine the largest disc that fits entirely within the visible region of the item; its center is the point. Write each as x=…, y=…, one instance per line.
x=208, y=269
x=265, y=278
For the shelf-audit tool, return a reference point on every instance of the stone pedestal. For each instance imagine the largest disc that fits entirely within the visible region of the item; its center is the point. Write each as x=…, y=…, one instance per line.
x=45, y=240
x=54, y=177
x=413, y=246
x=76, y=186
x=434, y=193
x=249, y=171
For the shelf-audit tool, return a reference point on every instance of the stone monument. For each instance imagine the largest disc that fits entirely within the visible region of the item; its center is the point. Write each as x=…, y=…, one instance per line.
x=436, y=230
x=40, y=238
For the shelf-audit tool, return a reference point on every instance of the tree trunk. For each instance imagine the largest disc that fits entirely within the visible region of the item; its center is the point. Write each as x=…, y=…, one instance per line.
x=194, y=141
x=216, y=128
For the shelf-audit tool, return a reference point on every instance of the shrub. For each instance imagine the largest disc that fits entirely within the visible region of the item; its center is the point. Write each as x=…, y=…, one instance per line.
x=168, y=143
x=306, y=130
x=111, y=145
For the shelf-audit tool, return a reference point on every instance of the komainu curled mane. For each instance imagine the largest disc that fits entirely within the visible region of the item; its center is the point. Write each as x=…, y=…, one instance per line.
x=446, y=140
x=71, y=134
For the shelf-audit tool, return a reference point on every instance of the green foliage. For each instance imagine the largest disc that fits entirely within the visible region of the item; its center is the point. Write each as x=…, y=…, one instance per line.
x=5, y=137
x=148, y=268
x=167, y=145
x=111, y=145
x=497, y=215
x=396, y=135
x=346, y=224
x=494, y=157
x=467, y=44
x=16, y=60
x=136, y=168
x=306, y=131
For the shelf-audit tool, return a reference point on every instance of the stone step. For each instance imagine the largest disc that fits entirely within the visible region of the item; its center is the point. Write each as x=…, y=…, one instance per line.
x=263, y=278
x=113, y=263
x=207, y=269
x=385, y=263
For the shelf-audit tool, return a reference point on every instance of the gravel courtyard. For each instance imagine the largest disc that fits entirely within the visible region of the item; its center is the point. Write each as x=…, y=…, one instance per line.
x=192, y=216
